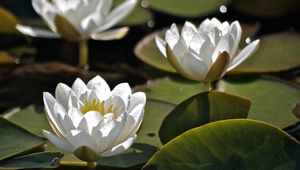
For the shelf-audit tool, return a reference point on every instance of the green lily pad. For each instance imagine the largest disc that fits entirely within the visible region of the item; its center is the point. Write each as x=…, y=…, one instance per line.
x=138, y=154
x=229, y=144
x=147, y=51
x=272, y=101
x=277, y=52
x=138, y=16
x=201, y=109
x=36, y=160
x=171, y=90
x=266, y=9
x=8, y=22
x=188, y=8
x=36, y=115
x=16, y=140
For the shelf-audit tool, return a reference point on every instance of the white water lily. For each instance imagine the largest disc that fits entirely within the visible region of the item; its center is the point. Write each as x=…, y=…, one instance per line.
x=92, y=121
x=205, y=53
x=80, y=19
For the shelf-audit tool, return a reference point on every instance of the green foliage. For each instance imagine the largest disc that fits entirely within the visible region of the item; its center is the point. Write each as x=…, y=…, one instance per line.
x=201, y=109
x=229, y=144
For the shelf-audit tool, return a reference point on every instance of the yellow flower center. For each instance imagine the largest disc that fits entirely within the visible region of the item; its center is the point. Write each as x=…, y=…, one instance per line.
x=97, y=106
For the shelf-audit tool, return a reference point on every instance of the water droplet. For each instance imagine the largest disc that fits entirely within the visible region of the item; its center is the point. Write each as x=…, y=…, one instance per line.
x=145, y=3
x=223, y=9
x=151, y=23
x=17, y=61
x=248, y=40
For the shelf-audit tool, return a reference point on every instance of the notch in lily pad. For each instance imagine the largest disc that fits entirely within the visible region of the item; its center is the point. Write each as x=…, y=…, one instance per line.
x=201, y=109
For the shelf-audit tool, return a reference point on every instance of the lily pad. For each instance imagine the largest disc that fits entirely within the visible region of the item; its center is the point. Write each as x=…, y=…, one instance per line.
x=147, y=51
x=272, y=100
x=266, y=9
x=188, y=8
x=171, y=90
x=229, y=144
x=8, y=22
x=201, y=109
x=36, y=115
x=16, y=140
x=138, y=16
x=36, y=160
x=277, y=52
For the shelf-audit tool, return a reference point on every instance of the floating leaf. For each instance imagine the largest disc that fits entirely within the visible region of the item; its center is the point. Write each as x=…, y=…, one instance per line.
x=201, y=109
x=272, y=101
x=15, y=140
x=277, y=52
x=188, y=8
x=266, y=9
x=229, y=144
x=36, y=115
x=36, y=160
x=138, y=16
x=147, y=51
x=171, y=90
x=296, y=110
x=138, y=154
x=8, y=22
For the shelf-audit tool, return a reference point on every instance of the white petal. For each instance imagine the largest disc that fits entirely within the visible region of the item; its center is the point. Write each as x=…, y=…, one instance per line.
x=172, y=36
x=117, y=14
x=180, y=48
x=194, y=65
x=236, y=31
x=49, y=102
x=113, y=34
x=207, y=25
x=105, y=6
x=225, y=44
x=206, y=52
x=73, y=100
x=46, y=10
x=161, y=44
x=119, y=148
x=36, y=32
x=83, y=126
x=244, y=54
x=111, y=131
x=79, y=138
x=79, y=87
x=136, y=99
x=93, y=118
x=133, y=122
x=60, y=143
x=197, y=41
x=188, y=32
x=101, y=88
x=123, y=90
x=59, y=109
x=62, y=92
x=65, y=123
x=117, y=103
x=75, y=115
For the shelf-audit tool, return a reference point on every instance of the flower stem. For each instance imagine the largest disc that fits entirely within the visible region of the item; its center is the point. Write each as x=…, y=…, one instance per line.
x=91, y=165
x=207, y=86
x=83, y=54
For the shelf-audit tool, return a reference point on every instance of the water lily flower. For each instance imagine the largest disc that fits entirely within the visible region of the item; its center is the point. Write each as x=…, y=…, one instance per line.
x=205, y=53
x=76, y=20
x=92, y=121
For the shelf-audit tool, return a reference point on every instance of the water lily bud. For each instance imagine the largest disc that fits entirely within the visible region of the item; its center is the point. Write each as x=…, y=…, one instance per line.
x=92, y=121
x=80, y=19
x=205, y=53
